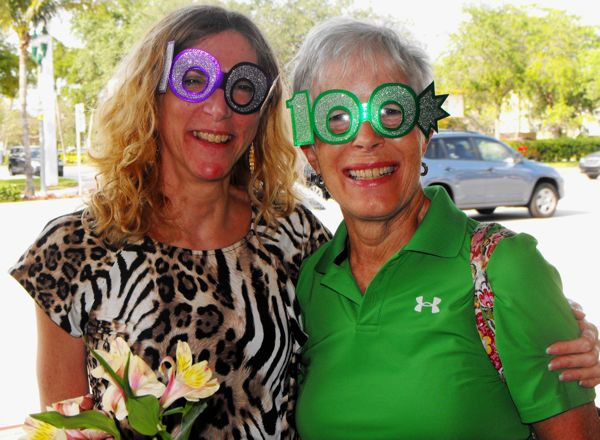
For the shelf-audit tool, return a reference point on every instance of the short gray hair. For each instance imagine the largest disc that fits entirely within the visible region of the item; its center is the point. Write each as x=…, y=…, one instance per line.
x=338, y=39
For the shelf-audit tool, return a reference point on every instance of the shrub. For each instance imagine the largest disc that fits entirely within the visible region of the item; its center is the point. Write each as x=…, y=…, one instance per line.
x=10, y=193
x=557, y=150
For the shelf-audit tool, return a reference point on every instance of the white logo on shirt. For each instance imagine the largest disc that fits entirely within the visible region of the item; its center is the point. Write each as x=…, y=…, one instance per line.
x=433, y=305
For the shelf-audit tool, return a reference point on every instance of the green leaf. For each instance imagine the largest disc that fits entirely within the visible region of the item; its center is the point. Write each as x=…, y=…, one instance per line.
x=189, y=418
x=126, y=387
x=164, y=435
x=144, y=414
x=86, y=420
x=171, y=411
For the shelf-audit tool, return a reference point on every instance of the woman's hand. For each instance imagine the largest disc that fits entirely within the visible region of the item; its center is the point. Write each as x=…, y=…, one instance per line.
x=579, y=357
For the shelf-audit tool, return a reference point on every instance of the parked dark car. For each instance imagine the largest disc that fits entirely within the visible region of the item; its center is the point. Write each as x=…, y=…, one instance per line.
x=590, y=165
x=16, y=161
x=480, y=172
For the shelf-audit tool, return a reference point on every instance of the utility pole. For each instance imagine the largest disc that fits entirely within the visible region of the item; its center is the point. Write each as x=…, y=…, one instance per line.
x=43, y=54
x=79, y=128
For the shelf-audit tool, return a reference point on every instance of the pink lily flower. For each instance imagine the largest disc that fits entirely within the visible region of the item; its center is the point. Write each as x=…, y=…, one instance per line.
x=192, y=381
x=143, y=382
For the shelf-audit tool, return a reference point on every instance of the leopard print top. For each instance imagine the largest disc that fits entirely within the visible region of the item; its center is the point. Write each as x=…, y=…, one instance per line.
x=235, y=307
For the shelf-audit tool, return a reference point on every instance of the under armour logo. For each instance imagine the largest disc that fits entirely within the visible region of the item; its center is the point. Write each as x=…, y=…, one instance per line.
x=433, y=305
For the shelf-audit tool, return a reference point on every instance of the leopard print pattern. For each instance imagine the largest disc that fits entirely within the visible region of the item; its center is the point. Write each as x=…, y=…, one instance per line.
x=234, y=306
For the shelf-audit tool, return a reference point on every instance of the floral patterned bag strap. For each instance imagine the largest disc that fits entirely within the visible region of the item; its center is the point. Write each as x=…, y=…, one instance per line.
x=483, y=242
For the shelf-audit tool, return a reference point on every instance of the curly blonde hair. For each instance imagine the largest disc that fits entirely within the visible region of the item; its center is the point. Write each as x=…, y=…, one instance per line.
x=129, y=199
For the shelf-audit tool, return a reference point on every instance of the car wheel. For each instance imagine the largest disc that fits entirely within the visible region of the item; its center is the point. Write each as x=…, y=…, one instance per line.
x=486, y=211
x=543, y=200
x=593, y=176
x=11, y=171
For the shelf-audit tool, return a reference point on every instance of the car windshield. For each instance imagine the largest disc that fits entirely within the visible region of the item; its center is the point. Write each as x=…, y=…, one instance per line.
x=35, y=153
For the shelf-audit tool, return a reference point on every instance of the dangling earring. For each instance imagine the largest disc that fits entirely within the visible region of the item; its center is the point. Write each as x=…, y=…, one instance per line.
x=424, y=169
x=251, y=158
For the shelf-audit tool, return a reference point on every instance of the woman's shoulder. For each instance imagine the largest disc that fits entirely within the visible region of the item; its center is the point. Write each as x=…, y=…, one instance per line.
x=496, y=236
x=65, y=242
x=68, y=230
x=299, y=232
x=302, y=218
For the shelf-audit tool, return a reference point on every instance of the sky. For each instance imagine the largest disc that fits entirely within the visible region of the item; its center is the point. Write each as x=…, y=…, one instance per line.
x=432, y=21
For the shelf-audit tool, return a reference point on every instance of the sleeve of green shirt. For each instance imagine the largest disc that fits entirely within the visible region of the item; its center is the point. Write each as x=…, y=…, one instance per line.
x=530, y=313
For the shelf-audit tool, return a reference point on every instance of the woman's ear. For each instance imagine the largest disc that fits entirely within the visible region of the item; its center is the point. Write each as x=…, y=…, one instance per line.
x=309, y=152
x=425, y=143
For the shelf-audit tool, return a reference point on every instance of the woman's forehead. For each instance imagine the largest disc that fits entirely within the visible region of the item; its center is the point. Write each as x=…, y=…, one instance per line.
x=229, y=46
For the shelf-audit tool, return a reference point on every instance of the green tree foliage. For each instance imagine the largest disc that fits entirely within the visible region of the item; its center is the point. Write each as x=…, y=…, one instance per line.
x=487, y=59
x=11, y=129
x=22, y=16
x=107, y=29
x=285, y=23
x=559, y=77
x=9, y=67
x=543, y=56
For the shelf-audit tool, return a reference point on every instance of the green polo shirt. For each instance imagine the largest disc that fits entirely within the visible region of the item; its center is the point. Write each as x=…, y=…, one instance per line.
x=404, y=360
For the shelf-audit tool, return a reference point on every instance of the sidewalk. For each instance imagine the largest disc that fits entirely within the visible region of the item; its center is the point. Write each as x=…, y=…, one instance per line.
x=20, y=224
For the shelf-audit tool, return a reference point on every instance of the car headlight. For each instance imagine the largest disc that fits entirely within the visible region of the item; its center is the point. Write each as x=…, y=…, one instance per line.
x=590, y=161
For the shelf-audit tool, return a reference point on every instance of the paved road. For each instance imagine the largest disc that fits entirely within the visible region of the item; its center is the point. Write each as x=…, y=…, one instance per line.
x=570, y=241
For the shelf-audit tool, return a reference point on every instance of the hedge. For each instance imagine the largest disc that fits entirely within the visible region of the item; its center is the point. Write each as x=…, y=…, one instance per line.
x=10, y=193
x=557, y=150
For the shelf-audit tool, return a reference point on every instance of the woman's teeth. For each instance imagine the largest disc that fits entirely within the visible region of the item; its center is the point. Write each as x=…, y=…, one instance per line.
x=210, y=137
x=371, y=173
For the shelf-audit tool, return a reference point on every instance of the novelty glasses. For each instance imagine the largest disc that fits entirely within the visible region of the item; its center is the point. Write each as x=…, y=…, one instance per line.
x=194, y=75
x=336, y=115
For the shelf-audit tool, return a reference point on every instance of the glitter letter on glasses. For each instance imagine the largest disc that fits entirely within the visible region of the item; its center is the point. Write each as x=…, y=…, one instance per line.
x=195, y=74
x=336, y=115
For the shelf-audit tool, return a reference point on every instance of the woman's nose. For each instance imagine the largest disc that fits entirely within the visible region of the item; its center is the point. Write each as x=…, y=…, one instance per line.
x=367, y=137
x=216, y=106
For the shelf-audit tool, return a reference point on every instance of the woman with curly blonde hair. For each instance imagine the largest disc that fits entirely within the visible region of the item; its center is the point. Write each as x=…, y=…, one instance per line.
x=193, y=233
x=127, y=152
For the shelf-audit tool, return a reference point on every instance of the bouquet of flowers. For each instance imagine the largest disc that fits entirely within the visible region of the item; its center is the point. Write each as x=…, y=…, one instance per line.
x=134, y=397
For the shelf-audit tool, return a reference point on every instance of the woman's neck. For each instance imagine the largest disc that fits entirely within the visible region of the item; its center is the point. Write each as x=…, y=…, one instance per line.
x=372, y=243
x=205, y=216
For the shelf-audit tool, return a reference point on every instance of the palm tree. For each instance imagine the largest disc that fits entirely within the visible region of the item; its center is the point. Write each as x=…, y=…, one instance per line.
x=22, y=16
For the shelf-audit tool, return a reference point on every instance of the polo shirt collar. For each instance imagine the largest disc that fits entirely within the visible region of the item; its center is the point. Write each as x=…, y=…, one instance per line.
x=441, y=232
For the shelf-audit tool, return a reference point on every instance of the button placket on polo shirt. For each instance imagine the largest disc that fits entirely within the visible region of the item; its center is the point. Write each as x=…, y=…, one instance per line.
x=370, y=311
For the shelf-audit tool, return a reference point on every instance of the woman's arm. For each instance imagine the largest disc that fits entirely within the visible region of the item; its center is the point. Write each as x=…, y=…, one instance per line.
x=580, y=423
x=579, y=356
x=61, y=358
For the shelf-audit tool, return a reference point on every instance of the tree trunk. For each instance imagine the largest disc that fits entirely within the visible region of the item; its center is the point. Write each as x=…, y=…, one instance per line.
x=23, y=46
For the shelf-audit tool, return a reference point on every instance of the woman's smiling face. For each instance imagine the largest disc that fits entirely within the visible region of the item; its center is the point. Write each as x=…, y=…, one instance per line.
x=204, y=140
x=372, y=177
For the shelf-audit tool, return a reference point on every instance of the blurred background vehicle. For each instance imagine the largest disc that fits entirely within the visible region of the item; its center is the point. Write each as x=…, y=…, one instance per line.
x=590, y=165
x=480, y=172
x=16, y=161
x=315, y=183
